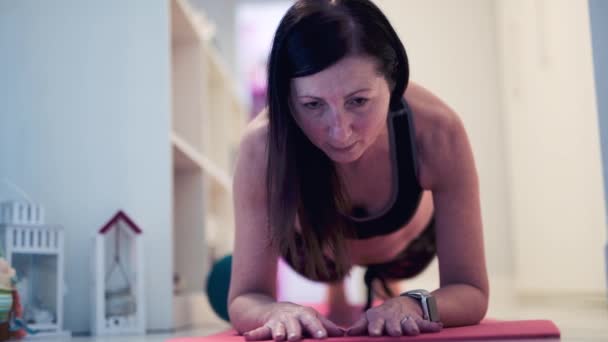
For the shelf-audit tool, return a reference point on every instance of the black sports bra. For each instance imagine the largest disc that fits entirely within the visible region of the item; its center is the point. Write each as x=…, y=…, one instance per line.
x=407, y=191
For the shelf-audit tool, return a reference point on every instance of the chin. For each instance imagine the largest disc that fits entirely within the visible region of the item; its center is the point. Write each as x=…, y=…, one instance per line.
x=344, y=158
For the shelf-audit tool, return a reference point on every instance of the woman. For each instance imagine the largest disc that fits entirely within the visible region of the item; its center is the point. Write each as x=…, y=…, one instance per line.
x=350, y=165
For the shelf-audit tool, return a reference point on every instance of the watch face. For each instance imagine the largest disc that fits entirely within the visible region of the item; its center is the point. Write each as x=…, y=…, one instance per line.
x=427, y=302
x=433, y=312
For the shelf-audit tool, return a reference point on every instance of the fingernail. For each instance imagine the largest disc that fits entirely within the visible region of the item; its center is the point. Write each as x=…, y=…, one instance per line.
x=320, y=334
x=292, y=336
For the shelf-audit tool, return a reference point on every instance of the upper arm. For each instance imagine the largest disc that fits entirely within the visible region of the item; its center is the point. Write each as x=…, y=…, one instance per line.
x=254, y=264
x=458, y=220
x=450, y=173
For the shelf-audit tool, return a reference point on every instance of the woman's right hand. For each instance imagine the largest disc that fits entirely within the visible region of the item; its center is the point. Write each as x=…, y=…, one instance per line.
x=289, y=322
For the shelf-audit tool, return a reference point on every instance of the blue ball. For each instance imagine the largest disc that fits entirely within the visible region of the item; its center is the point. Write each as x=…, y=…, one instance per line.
x=218, y=284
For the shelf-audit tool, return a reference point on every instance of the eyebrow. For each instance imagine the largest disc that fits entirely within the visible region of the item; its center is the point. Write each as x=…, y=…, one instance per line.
x=348, y=95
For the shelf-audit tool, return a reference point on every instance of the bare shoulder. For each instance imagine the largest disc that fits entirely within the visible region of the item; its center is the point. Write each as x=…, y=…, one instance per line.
x=440, y=134
x=253, y=145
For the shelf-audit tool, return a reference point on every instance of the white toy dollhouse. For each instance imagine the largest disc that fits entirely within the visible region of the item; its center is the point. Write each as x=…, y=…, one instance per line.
x=118, y=282
x=35, y=250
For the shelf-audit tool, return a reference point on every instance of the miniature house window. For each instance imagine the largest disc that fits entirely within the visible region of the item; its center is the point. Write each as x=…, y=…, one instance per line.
x=118, y=285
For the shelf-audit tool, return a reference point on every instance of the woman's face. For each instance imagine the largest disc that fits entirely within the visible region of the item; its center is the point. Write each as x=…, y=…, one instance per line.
x=342, y=109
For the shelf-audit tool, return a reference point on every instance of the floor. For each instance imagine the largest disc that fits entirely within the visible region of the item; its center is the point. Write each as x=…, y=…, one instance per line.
x=579, y=318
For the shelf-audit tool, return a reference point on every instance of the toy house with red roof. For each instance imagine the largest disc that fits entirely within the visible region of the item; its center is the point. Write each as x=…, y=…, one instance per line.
x=118, y=284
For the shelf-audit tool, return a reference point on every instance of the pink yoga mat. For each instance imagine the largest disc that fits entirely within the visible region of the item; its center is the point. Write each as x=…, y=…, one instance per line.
x=488, y=329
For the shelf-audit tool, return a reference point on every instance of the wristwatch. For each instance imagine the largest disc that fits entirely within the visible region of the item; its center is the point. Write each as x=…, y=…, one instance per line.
x=427, y=302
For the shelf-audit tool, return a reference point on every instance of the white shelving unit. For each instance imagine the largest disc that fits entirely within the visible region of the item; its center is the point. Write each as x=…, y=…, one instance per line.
x=207, y=119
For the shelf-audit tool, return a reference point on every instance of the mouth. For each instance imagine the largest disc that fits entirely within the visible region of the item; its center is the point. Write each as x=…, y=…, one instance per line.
x=345, y=148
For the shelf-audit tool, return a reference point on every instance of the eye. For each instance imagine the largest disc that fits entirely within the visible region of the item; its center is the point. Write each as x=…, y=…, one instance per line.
x=313, y=105
x=358, y=101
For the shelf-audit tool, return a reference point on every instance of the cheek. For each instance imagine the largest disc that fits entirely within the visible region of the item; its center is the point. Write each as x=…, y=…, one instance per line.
x=370, y=125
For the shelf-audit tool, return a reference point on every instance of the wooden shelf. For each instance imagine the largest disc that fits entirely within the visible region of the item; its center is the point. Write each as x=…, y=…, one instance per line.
x=207, y=120
x=188, y=26
x=217, y=65
x=186, y=157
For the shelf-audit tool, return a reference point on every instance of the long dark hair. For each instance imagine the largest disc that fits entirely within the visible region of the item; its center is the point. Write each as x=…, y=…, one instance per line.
x=301, y=179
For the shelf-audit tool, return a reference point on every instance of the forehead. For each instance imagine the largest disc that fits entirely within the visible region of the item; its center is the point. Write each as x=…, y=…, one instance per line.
x=342, y=77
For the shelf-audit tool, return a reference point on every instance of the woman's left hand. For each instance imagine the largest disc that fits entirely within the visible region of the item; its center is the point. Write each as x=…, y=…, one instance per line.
x=397, y=316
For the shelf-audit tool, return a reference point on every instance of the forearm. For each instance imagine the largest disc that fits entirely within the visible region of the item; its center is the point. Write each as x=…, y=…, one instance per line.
x=249, y=311
x=461, y=304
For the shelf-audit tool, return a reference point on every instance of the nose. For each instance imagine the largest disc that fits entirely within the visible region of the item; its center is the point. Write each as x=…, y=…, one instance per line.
x=340, y=128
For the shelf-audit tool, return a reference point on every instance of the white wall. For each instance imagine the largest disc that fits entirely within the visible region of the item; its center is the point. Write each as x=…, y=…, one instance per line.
x=452, y=50
x=555, y=171
x=84, y=122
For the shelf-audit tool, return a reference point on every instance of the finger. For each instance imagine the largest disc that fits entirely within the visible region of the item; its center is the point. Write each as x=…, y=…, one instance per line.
x=278, y=332
x=428, y=326
x=393, y=327
x=293, y=329
x=332, y=329
x=359, y=328
x=259, y=334
x=409, y=326
x=376, y=327
x=313, y=326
